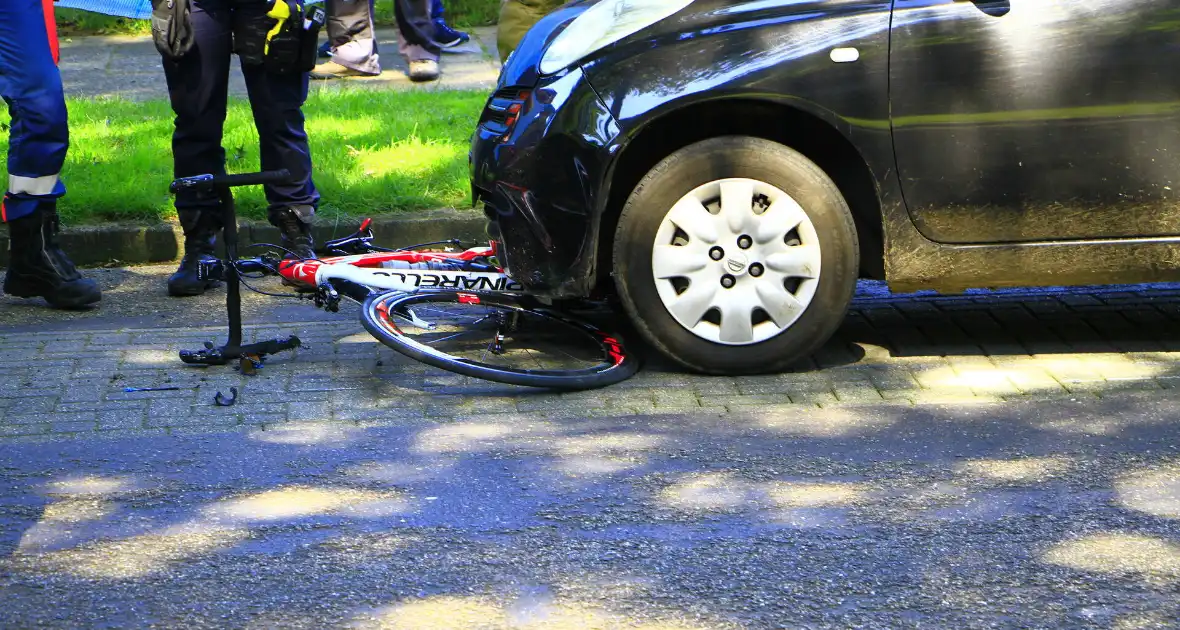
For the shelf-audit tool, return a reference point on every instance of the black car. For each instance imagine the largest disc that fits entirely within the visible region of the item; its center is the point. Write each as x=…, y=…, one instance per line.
x=731, y=168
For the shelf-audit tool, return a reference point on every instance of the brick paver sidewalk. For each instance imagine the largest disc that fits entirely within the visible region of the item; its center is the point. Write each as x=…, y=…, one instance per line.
x=907, y=350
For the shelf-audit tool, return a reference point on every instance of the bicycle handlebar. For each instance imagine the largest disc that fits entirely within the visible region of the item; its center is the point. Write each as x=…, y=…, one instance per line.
x=210, y=182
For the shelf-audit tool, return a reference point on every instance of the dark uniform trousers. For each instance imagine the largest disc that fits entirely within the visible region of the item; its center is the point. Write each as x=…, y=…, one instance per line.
x=198, y=87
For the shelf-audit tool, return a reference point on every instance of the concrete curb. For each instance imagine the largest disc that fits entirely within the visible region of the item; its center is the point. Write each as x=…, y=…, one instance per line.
x=124, y=243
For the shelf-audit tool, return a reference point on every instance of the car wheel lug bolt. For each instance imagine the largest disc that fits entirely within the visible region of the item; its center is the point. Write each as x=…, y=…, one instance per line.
x=727, y=281
x=716, y=253
x=756, y=269
x=745, y=242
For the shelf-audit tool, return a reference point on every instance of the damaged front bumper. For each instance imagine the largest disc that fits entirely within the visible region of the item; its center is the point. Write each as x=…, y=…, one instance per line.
x=538, y=161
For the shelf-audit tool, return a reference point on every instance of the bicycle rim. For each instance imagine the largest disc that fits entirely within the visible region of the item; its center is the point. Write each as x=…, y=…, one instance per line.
x=498, y=338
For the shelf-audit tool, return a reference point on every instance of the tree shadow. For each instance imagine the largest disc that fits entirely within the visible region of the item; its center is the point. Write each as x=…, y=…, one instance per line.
x=881, y=516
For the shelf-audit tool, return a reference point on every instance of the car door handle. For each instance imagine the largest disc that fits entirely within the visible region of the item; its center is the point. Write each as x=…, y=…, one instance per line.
x=994, y=8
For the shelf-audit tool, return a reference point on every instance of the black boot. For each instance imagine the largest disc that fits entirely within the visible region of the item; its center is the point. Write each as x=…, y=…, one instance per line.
x=294, y=223
x=200, y=237
x=37, y=267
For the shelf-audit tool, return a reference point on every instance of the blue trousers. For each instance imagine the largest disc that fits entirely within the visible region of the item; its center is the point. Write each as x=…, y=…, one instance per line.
x=31, y=86
x=198, y=85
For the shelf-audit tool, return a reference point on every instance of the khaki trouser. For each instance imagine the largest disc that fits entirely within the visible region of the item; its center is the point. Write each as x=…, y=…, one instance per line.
x=516, y=18
x=350, y=30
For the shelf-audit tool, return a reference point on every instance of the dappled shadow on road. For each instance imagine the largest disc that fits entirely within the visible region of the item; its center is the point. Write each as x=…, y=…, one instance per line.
x=888, y=515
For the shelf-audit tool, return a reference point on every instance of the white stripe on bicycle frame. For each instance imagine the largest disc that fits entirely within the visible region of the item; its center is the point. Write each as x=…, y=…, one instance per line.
x=31, y=185
x=410, y=280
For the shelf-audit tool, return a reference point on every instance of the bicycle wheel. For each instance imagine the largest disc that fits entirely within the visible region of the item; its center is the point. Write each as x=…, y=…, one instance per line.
x=499, y=338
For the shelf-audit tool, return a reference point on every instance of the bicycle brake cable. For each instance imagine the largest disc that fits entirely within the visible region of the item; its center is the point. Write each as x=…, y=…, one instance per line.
x=284, y=249
x=242, y=280
x=261, y=292
x=452, y=241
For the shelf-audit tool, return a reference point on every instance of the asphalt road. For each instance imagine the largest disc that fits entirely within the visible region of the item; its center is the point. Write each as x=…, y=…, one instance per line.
x=1005, y=461
x=1021, y=515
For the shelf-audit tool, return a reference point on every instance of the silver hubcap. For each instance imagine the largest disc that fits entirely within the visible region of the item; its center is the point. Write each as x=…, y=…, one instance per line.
x=736, y=261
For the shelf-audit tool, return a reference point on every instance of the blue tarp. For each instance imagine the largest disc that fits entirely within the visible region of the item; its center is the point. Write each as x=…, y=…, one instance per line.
x=138, y=9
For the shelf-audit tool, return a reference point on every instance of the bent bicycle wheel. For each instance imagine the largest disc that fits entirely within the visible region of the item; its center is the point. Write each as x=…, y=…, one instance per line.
x=499, y=338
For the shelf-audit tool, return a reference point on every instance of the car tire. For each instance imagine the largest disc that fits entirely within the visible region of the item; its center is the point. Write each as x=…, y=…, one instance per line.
x=781, y=182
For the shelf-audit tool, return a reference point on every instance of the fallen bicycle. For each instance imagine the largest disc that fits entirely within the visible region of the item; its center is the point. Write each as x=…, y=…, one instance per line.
x=458, y=311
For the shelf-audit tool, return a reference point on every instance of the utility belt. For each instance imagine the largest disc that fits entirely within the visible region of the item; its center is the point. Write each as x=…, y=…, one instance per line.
x=283, y=38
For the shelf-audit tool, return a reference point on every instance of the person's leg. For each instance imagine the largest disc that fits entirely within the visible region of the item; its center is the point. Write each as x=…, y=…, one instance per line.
x=352, y=35
x=447, y=37
x=415, y=38
x=423, y=65
x=30, y=84
x=198, y=87
x=277, y=103
x=516, y=18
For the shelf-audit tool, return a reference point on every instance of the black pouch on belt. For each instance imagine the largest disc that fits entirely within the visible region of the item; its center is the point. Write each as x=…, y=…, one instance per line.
x=283, y=38
x=281, y=47
x=172, y=27
x=292, y=46
x=250, y=30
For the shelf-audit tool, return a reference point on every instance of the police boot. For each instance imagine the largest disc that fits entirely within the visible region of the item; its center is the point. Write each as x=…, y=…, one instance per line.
x=294, y=223
x=37, y=267
x=200, y=237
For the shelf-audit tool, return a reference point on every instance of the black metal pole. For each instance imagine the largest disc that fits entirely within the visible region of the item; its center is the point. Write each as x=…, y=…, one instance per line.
x=233, y=298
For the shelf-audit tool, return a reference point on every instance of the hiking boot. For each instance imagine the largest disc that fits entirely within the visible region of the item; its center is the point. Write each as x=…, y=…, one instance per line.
x=424, y=70
x=200, y=238
x=333, y=70
x=448, y=37
x=37, y=267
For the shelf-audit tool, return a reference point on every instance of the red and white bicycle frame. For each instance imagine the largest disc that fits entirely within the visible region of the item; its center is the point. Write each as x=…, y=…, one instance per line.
x=406, y=271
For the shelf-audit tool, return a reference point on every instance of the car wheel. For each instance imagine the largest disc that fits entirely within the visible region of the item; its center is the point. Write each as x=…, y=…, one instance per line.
x=736, y=255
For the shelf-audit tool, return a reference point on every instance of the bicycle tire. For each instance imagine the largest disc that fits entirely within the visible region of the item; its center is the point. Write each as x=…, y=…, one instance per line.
x=617, y=364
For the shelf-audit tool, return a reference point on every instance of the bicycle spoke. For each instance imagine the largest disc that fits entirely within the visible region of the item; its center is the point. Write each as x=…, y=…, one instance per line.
x=569, y=355
x=458, y=334
x=452, y=314
x=539, y=364
x=498, y=340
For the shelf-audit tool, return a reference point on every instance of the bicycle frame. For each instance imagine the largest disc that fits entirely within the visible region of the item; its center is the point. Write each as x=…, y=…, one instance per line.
x=382, y=271
x=371, y=276
x=360, y=269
